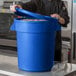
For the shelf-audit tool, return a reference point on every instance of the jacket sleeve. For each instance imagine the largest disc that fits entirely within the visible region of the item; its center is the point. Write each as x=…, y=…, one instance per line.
x=30, y=6
x=64, y=14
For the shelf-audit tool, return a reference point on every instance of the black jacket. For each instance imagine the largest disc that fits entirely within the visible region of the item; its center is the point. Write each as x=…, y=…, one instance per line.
x=47, y=7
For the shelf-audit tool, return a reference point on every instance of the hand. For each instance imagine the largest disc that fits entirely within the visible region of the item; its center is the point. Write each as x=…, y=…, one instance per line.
x=55, y=16
x=12, y=8
x=61, y=20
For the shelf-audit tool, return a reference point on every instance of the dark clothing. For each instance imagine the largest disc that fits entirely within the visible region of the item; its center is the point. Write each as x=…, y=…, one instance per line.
x=48, y=7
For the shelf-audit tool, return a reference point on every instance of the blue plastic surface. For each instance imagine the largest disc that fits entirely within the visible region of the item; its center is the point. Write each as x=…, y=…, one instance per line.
x=35, y=26
x=26, y=13
x=35, y=44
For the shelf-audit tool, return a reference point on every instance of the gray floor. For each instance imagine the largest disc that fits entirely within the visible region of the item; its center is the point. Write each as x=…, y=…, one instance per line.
x=9, y=66
x=8, y=60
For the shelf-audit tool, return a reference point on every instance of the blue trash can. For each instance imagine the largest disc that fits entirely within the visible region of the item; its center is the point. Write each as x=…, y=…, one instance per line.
x=35, y=44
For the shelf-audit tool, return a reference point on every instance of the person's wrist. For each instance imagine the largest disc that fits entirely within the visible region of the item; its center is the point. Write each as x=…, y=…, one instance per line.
x=61, y=20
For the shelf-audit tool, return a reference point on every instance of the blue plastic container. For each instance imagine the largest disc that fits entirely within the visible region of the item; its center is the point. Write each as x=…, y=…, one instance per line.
x=35, y=44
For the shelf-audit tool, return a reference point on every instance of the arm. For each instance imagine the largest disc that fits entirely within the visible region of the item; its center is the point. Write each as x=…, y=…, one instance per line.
x=62, y=15
x=28, y=6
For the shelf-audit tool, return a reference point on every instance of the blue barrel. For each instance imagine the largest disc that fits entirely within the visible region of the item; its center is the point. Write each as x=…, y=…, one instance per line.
x=35, y=44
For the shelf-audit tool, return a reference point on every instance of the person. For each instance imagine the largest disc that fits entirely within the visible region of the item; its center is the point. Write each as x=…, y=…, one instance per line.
x=53, y=8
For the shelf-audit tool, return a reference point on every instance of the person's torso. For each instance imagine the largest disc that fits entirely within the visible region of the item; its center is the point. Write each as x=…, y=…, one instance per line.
x=47, y=7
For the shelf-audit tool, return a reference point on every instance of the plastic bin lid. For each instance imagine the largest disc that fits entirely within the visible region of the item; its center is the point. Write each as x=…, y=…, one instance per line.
x=22, y=12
